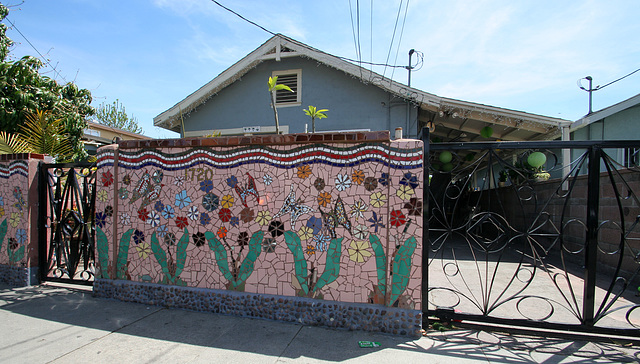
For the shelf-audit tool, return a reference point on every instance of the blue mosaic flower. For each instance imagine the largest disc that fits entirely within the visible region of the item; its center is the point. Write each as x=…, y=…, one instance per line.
x=21, y=236
x=234, y=221
x=315, y=223
x=409, y=179
x=138, y=236
x=210, y=201
x=159, y=206
x=376, y=222
x=206, y=185
x=168, y=212
x=162, y=231
x=384, y=180
x=1, y=201
x=100, y=219
x=232, y=181
x=182, y=200
x=204, y=218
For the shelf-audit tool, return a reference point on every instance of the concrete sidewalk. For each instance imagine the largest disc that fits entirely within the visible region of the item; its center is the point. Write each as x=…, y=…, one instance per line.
x=59, y=324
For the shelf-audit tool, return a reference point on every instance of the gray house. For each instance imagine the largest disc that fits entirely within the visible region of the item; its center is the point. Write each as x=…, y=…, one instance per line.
x=616, y=122
x=236, y=102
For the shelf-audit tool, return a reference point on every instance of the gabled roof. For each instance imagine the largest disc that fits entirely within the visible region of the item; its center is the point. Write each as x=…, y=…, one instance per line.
x=606, y=112
x=440, y=111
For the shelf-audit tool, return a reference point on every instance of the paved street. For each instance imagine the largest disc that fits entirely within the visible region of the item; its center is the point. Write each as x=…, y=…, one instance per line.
x=57, y=324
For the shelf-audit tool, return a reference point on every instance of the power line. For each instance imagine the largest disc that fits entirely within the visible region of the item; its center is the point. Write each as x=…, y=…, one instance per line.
x=400, y=39
x=619, y=79
x=353, y=31
x=393, y=37
x=36, y=49
x=272, y=33
x=371, y=35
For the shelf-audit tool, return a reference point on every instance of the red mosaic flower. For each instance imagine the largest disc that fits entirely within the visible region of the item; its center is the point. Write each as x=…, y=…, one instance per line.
x=182, y=222
x=107, y=178
x=222, y=232
x=143, y=214
x=397, y=218
x=224, y=215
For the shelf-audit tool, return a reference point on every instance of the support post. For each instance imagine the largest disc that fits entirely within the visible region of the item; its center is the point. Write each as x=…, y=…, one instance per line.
x=425, y=222
x=591, y=242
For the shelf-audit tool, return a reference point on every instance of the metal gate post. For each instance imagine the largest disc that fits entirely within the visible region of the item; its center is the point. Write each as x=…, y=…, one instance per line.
x=591, y=242
x=425, y=222
x=43, y=204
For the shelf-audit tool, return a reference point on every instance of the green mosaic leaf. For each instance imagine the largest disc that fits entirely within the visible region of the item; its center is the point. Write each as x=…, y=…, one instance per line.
x=300, y=264
x=221, y=255
x=160, y=255
x=17, y=255
x=381, y=262
x=402, y=268
x=3, y=231
x=246, y=268
x=332, y=265
x=123, y=254
x=102, y=246
x=181, y=252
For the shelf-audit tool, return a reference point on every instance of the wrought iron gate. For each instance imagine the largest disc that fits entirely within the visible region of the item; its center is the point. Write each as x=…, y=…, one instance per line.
x=67, y=207
x=554, y=247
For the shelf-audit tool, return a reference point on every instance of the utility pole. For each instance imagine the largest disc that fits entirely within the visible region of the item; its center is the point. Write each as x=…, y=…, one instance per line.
x=409, y=68
x=590, y=90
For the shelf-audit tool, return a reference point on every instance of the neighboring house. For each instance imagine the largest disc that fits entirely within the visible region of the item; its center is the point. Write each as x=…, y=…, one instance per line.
x=236, y=102
x=96, y=135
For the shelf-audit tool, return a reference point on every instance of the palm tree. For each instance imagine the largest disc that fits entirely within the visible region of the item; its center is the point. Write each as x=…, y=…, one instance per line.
x=315, y=113
x=273, y=88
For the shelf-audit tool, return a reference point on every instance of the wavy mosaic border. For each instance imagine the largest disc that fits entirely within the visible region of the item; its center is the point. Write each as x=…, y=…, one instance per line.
x=17, y=167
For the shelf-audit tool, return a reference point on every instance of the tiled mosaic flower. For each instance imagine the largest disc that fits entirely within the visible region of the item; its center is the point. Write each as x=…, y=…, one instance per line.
x=342, y=182
x=378, y=199
x=1, y=201
x=224, y=214
x=227, y=201
x=358, y=209
x=143, y=214
x=304, y=172
x=125, y=219
x=263, y=217
x=170, y=239
x=206, y=185
x=15, y=219
x=310, y=250
x=102, y=196
x=305, y=233
x=198, y=239
x=13, y=243
x=321, y=242
x=138, y=236
x=397, y=218
x=243, y=238
x=210, y=202
x=181, y=222
x=324, y=199
x=232, y=181
x=405, y=192
x=107, y=178
x=158, y=206
x=370, y=183
x=410, y=179
x=222, y=232
x=276, y=228
x=319, y=184
x=2, y=211
x=108, y=211
x=357, y=177
x=182, y=200
x=358, y=251
x=269, y=245
x=361, y=232
x=162, y=230
x=21, y=236
x=100, y=219
x=267, y=179
x=246, y=215
x=315, y=224
x=234, y=221
x=144, y=250
x=205, y=219
x=384, y=180
x=414, y=207
x=376, y=222
x=123, y=193
x=178, y=180
x=154, y=219
x=168, y=212
x=126, y=179
x=193, y=213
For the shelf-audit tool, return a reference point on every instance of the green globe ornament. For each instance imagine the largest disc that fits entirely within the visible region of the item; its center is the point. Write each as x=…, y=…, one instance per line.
x=447, y=167
x=446, y=157
x=486, y=132
x=537, y=159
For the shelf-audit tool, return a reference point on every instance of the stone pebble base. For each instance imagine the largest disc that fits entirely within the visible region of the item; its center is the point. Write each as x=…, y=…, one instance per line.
x=18, y=276
x=305, y=311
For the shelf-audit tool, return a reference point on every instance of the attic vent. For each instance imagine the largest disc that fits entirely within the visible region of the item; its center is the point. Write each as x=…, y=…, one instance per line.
x=291, y=78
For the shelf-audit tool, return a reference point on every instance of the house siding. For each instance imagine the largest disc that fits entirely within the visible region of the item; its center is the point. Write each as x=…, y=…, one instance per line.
x=351, y=103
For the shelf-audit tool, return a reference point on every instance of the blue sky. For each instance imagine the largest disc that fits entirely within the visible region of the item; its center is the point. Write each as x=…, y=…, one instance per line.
x=522, y=55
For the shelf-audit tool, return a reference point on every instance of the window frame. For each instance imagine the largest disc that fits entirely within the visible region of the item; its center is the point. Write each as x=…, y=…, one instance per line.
x=298, y=74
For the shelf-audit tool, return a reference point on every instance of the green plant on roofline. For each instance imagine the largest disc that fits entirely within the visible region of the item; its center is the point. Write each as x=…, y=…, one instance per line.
x=315, y=114
x=274, y=87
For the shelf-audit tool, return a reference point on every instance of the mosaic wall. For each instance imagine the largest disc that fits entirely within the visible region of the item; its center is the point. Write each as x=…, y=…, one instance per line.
x=339, y=222
x=14, y=222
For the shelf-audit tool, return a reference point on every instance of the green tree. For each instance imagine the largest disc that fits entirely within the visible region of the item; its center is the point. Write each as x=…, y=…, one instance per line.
x=115, y=115
x=315, y=114
x=24, y=91
x=273, y=88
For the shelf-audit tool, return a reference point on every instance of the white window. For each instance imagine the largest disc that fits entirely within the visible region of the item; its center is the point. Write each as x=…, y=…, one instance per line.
x=293, y=79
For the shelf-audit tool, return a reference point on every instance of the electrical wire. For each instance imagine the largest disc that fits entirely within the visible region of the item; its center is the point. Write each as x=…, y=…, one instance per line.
x=36, y=49
x=371, y=35
x=400, y=39
x=272, y=33
x=395, y=27
x=612, y=82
